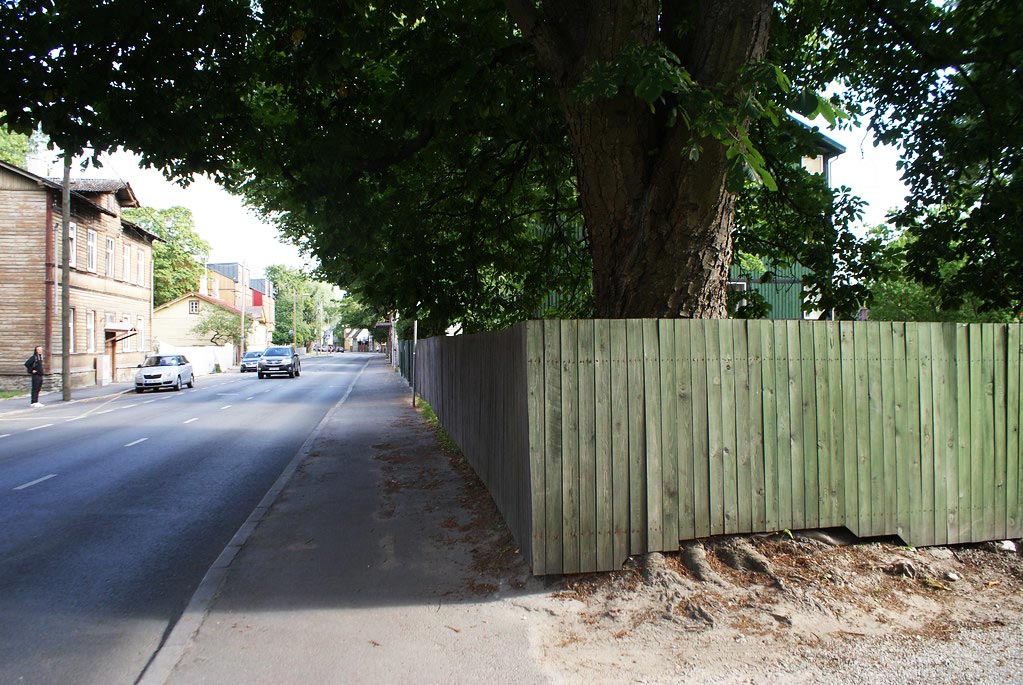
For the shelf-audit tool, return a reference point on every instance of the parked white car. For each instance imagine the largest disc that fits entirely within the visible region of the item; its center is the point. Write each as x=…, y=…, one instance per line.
x=164, y=371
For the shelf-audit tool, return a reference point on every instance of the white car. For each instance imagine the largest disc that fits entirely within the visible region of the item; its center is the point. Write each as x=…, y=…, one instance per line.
x=164, y=371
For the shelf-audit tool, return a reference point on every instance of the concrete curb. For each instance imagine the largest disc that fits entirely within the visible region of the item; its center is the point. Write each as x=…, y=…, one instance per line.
x=161, y=666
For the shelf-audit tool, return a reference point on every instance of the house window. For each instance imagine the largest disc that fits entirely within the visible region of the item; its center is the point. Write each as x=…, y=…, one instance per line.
x=90, y=331
x=140, y=326
x=193, y=306
x=110, y=257
x=737, y=287
x=73, y=253
x=140, y=267
x=126, y=263
x=71, y=330
x=91, y=254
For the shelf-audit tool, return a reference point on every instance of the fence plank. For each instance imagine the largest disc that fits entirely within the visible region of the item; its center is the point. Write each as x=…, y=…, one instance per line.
x=620, y=440
x=537, y=480
x=810, y=454
x=684, y=412
x=863, y=428
x=604, y=400
x=988, y=430
x=553, y=441
x=729, y=442
x=851, y=455
x=587, y=447
x=758, y=494
x=715, y=437
x=742, y=363
x=783, y=385
x=900, y=377
x=925, y=364
x=701, y=446
x=875, y=410
x=887, y=372
x=795, y=436
x=944, y=440
x=837, y=484
x=637, y=439
x=1012, y=527
x=669, y=435
x=770, y=422
x=652, y=418
x=570, y=446
x=1000, y=342
x=963, y=394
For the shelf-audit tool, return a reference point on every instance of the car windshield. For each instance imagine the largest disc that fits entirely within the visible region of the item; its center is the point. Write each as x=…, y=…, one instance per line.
x=277, y=352
x=253, y=355
x=161, y=361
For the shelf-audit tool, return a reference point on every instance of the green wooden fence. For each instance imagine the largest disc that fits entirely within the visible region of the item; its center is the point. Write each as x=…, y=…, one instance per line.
x=600, y=439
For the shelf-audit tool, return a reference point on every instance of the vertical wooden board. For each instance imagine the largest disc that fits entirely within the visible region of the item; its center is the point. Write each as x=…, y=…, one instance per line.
x=652, y=430
x=999, y=333
x=963, y=485
x=852, y=429
x=988, y=432
x=875, y=410
x=783, y=449
x=742, y=364
x=758, y=495
x=637, y=438
x=770, y=425
x=729, y=448
x=811, y=443
x=822, y=399
x=837, y=485
x=619, y=440
x=587, y=448
x=552, y=451
x=796, y=471
x=684, y=414
x=952, y=434
x=1012, y=522
x=603, y=403
x=570, y=445
x=900, y=379
x=977, y=475
x=715, y=432
x=926, y=364
x=863, y=427
x=701, y=440
x=669, y=434
x=944, y=438
x=887, y=371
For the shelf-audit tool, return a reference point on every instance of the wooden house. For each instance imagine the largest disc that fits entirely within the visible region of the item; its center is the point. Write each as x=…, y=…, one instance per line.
x=111, y=279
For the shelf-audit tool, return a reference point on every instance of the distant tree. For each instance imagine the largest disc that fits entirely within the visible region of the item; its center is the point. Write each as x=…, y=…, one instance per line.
x=14, y=147
x=221, y=326
x=178, y=256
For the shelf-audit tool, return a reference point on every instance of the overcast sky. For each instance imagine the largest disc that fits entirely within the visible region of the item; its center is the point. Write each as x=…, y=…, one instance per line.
x=236, y=234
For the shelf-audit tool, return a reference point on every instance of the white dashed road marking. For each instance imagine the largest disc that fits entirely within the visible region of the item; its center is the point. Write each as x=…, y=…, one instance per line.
x=192, y=419
x=132, y=444
x=227, y=406
x=45, y=425
x=37, y=481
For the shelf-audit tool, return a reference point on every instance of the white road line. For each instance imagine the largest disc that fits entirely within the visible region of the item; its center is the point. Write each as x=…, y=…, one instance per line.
x=132, y=444
x=129, y=406
x=5, y=435
x=36, y=481
x=148, y=401
x=246, y=399
x=192, y=419
x=228, y=406
x=107, y=411
x=76, y=418
x=45, y=425
x=227, y=394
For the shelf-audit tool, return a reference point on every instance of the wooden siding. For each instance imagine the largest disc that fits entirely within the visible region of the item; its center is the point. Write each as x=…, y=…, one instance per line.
x=642, y=433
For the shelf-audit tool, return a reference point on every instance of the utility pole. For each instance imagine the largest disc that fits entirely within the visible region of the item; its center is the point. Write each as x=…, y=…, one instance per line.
x=241, y=345
x=415, y=341
x=65, y=283
x=294, y=318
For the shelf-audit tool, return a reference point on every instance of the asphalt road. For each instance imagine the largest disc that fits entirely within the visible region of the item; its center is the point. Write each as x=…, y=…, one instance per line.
x=112, y=510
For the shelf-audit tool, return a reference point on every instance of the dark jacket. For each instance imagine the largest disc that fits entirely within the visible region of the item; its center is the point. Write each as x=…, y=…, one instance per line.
x=34, y=364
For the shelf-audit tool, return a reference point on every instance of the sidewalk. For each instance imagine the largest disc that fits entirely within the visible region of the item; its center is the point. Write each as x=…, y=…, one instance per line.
x=364, y=569
x=20, y=403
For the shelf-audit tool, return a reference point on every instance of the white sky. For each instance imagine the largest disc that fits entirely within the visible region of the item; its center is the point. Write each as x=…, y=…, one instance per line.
x=236, y=234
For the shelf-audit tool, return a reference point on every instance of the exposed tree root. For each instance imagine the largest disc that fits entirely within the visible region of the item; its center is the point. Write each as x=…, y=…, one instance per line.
x=694, y=558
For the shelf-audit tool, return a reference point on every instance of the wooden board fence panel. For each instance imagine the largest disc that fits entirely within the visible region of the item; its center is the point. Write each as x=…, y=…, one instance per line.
x=600, y=439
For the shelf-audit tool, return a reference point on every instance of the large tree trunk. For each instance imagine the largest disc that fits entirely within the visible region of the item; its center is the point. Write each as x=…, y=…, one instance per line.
x=660, y=223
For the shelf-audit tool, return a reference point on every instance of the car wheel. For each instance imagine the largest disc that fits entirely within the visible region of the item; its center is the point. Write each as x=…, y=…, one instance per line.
x=261, y=376
x=191, y=381
x=177, y=384
x=138, y=390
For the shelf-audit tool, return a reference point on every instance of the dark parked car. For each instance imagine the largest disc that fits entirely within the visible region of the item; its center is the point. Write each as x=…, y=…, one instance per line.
x=250, y=361
x=279, y=360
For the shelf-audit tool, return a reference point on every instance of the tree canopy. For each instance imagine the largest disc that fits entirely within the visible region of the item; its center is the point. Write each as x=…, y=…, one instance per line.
x=480, y=161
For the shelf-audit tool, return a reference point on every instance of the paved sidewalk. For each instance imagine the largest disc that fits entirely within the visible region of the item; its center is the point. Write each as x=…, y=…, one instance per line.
x=20, y=403
x=360, y=571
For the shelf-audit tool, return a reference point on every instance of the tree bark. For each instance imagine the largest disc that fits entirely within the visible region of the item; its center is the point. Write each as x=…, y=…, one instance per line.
x=660, y=224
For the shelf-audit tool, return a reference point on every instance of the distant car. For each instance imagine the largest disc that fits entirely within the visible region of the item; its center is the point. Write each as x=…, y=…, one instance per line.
x=250, y=361
x=279, y=360
x=164, y=371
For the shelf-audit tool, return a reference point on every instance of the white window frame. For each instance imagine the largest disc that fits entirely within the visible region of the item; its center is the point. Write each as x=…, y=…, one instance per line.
x=71, y=331
x=193, y=306
x=90, y=255
x=140, y=266
x=110, y=257
x=126, y=263
x=73, y=252
x=90, y=330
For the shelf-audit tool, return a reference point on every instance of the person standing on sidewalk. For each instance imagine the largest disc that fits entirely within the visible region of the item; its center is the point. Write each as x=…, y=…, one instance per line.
x=34, y=364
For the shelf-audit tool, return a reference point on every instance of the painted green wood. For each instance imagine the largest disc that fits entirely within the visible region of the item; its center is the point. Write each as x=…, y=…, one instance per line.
x=822, y=401
x=742, y=363
x=669, y=434
x=837, y=482
x=796, y=419
x=783, y=387
x=684, y=414
x=999, y=334
x=729, y=442
x=570, y=446
x=620, y=488
x=863, y=428
x=715, y=429
x=652, y=430
x=900, y=378
x=1012, y=520
x=926, y=536
x=852, y=429
x=603, y=422
x=977, y=497
x=537, y=480
x=770, y=425
x=988, y=430
x=944, y=435
x=587, y=446
x=701, y=444
x=553, y=441
x=875, y=424
x=887, y=373
x=811, y=449
x=637, y=438
x=963, y=387
x=758, y=493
